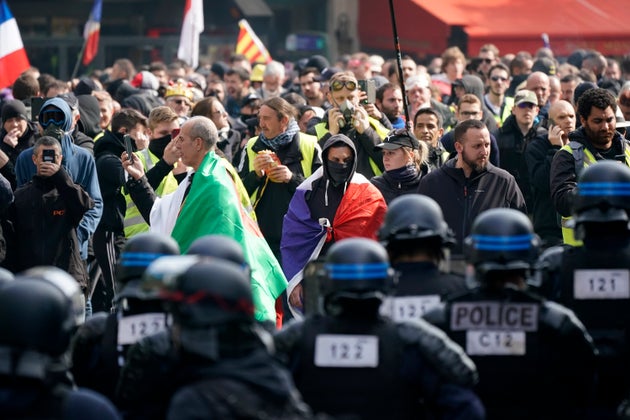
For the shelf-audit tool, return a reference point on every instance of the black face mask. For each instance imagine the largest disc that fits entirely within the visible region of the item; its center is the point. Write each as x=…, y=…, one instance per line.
x=339, y=172
x=54, y=131
x=157, y=146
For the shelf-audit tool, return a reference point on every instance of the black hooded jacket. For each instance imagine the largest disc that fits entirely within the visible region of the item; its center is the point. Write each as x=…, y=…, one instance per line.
x=111, y=178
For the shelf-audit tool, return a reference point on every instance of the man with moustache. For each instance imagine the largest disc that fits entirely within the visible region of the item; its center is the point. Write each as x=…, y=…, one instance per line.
x=468, y=184
x=597, y=139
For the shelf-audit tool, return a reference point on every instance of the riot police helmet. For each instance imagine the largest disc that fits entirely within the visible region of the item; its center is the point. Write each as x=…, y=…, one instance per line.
x=210, y=292
x=137, y=254
x=219, y=246
x=415, y=216
x=35, y=315
x=160, y=274
x=5, y=276
x=603, y=193
x=66, y=283
x=357, y=268
x=501, y=239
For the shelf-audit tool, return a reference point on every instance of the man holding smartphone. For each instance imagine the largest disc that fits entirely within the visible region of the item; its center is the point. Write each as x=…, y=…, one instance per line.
x=46, y=213
x=538, y=156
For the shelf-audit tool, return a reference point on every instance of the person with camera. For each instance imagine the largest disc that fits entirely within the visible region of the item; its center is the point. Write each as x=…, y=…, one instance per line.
x=46, y=213
x=347, y=117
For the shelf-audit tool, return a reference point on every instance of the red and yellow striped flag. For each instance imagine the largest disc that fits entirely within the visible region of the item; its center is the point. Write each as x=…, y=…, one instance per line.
x=250, y=45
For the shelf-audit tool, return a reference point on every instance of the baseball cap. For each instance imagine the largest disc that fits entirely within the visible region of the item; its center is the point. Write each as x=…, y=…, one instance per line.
x=525, y=95
x=399, y=138
x=327, y=74
x=545, y=65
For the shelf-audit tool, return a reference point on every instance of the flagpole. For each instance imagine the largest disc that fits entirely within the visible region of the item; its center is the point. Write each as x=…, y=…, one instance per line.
x=79, y=58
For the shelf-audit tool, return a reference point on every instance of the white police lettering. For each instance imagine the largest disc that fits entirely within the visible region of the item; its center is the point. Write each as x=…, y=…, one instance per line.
x=494, y=316
x=346, y=351
x=405, y=308
x=601, y=284
x=133, y=328
x=495, y=343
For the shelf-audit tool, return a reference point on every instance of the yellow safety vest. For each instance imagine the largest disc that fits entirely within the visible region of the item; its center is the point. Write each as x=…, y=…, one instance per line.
x=583, y=158
x=241, y=191
x=134, y=222
x=381, y=130
x=506, y=111
x=307, y=146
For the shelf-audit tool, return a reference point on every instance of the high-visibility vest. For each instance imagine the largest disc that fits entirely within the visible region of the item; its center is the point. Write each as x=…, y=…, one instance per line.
x=381, y=130
x=583, y=158
x=506, y=111
x=241, y=191
x=307, y=145
x=134, y=222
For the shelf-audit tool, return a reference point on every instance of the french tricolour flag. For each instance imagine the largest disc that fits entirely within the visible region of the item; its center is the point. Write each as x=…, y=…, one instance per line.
x=13, y=59
x=91, y=32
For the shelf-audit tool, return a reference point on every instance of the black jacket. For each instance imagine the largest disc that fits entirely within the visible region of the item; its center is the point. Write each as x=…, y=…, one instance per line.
x=512, y=144
x=563, y=177
x=538, y=156
x=463, y=199
x=274, y=202
x=392, y=188
x=45, y=214
x=111, y=178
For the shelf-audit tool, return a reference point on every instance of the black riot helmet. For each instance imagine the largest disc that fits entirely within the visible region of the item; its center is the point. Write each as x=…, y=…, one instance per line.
x=36, y=316
x=219, y=246
x=357, y=268
x=161, y=274
x=210, y=292
x=5, y=276
x=603, y=193
x=414, y=217
x=501, y=239
x=138, y=253
x=66, y=283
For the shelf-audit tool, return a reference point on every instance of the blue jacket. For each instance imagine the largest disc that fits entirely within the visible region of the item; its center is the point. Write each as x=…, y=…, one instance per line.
x=79, y=164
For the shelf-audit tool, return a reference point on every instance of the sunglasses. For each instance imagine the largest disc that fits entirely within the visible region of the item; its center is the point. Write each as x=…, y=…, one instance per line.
x=52, y=117
x=339, y=84
x=498, y=79
x=486, y=60
x=524, y=105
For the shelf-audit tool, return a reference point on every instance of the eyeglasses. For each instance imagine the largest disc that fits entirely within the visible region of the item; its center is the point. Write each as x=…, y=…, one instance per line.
x=52, y=116
x=486, y=60
x=498, y=79
x=524, y=105
x=340, y=84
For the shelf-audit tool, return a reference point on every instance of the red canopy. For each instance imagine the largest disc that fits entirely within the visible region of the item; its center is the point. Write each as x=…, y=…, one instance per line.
x=425, y=26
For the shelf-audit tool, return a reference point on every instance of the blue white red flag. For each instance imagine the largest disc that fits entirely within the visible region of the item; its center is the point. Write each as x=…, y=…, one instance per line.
x=91, y=32
x=13, y=59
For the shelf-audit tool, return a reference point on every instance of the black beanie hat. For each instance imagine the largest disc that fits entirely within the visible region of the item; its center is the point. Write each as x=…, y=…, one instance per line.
x=13, y=108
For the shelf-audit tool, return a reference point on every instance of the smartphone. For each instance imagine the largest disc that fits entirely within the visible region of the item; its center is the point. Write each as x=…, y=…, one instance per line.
x=129, y=147
x=36, y=106
x=369, y=87
x=48, y=155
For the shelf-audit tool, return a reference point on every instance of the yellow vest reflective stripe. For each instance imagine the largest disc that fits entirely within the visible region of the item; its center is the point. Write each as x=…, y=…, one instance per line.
x=134, y=222
x=381, y=130
x=587, y=159
x=307, y=146
x=507, y=109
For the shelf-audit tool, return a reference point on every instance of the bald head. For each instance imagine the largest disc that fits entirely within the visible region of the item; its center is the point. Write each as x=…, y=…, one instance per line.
x=562, y=114
x=538, y=82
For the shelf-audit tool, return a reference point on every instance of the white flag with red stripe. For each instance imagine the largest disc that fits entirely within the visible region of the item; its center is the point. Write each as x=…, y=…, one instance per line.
x=191, y=29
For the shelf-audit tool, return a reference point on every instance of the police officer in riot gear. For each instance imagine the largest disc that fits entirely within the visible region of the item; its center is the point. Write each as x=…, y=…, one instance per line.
x=594, y=281
x=101, y=345
x=141, y=388
x=350, y=361
x=416, y=237
x=535, y=358
x=225, y=368
x=37, y=320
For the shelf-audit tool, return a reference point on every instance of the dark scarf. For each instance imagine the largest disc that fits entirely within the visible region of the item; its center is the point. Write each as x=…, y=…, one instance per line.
x=281, y=139
x=404, y=174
